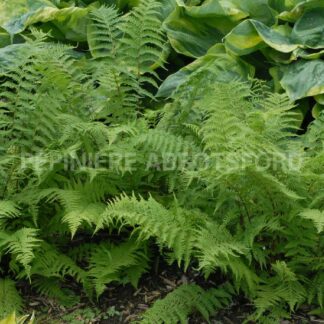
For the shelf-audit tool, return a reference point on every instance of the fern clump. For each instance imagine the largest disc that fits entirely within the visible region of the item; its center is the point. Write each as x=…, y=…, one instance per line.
x=94, y=172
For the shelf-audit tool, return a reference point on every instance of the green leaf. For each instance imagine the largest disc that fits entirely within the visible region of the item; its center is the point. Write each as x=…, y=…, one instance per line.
x=317, y=110
x=320, y=99
x=252, y=35
x=316, y=216
x=4, y=39
x=303, y=79
x=307, y=55
x=72, y=22
x=192, y=30
x=230, y=68
x=283, y=5
x=292, y=10
x=189, y=35
x=17, y=15
x=11, y=55
x=309, y=29
x=10, y=299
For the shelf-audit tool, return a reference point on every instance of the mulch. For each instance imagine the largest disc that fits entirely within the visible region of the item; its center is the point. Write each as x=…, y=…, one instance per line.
x=128, y=303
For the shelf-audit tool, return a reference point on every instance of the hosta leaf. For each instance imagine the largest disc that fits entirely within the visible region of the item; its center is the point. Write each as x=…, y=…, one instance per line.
x=230, y=68
x=192, y=30
x=317, y=110
x=11, y=55
x=4, y=38
x=72, y=22
x=252, y=35
x=283, y=5
x=302, y=53
x=303, y=79
x=320, y=99
x=258, y=10
x=292, y=10
x=189, y=35
x=309, y=29
x=17, y=15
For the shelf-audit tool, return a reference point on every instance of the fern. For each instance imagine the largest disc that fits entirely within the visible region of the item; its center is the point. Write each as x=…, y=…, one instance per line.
x=103, y=32
x=49, y=262
x=21, y=244
x=174, y=229
x=316, y=291
x=10, y=299
x=143, y=38
x=282, y=288
x=51, y=288
x=185, y=300
x=130, y=47
x=125, y=262
x=316, y=216
x=83, y=200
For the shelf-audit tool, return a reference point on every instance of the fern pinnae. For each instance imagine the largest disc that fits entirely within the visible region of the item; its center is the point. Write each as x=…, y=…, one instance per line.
x=103, y=32
x=10, y=300
x=185, y=300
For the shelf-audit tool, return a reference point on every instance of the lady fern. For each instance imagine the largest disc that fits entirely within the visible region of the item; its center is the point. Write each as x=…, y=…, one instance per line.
x=85, y=158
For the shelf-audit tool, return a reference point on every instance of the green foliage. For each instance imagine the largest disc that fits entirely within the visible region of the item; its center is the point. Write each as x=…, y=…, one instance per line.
x=184, y=300
x=51, y=190
x=10, y=299
x=316, y=216
x=124, y=263
x=94, y=172
x=282, y=39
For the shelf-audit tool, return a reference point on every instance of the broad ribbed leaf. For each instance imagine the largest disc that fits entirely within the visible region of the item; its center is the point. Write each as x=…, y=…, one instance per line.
x=230, y=68
x=17, y=15
x=10, y=56
x=309, y=29
x=4, y=38
x=252, y=35
x=190, y=35
x=303, y=79
x=192, y=30
x=292, y=10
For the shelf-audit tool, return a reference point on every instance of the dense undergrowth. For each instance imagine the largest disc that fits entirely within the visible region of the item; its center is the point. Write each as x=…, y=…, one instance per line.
x=95, y=173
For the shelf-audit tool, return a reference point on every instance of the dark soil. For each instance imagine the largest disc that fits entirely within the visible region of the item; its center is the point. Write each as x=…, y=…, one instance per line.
x=124, y=304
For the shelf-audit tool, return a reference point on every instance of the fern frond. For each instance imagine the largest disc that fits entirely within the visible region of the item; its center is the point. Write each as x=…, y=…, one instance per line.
x=316, y=290
x=103, y=32
x=216, y=245
x=10, y=300
x=185, y=300
x=51, y=263
x=112, y=263
x=316, y=216
x=143, y=40
x=174, y=229
x=9, y=209
x=284, y=287
x=51, y=288
x=21, y=244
